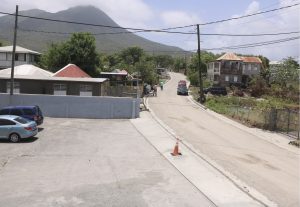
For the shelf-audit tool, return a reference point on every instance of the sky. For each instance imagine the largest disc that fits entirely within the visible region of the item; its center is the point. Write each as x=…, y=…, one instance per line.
x=158, y=14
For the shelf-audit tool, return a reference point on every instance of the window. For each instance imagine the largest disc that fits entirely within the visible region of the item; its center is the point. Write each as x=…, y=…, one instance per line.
x=4, y=112
x=5, y=122
x=226, y=78
x=235, y=78
x=216, y=67
x=255, y=67
x=16, y=87
x=86, y=90
x=29, y=111
x=59, y=89
x=216, y=78
x=249, y=66
x=2, y=56
x=20, y=57
x=21, y=120
x=16, y=112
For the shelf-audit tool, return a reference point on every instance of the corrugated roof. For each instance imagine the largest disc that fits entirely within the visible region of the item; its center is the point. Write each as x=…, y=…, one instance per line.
x=90, y=80
x=18, y=50
x=71, y=71
x=115, y=72
x=27, y=70
x=229, y=56
x=251, y=59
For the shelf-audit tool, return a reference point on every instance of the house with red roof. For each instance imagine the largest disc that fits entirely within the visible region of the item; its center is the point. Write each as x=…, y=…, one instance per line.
x=71, y=71
x=230, y=69
x=70, y=80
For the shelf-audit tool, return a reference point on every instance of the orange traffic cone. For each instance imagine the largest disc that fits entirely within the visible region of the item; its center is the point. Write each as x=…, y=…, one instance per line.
x=176, y=150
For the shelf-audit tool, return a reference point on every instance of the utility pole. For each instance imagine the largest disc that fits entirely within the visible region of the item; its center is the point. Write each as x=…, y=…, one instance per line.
x=13, y=53
x=202, y=96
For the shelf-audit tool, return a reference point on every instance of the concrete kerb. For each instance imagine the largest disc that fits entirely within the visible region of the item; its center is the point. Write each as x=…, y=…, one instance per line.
x=277, y=139
x=251, y=192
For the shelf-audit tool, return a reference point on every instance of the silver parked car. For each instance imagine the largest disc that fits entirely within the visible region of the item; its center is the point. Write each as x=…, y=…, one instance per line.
x=16, y=128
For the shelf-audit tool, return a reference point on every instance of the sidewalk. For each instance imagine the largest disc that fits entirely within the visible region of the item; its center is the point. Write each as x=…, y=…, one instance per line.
x=204, y=176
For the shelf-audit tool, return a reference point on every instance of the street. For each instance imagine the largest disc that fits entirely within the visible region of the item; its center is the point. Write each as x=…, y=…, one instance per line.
x=270, y=169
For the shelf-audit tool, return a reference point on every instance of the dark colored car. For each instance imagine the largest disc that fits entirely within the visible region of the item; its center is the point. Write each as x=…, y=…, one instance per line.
x=182, y=90
x=216, y=90
x=32, y=113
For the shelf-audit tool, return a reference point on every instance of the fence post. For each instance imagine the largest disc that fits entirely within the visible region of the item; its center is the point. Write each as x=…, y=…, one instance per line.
x=273, y=119
x=288, y=123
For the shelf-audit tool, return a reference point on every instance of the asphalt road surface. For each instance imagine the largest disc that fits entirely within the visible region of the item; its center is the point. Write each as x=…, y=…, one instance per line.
x=270, y=169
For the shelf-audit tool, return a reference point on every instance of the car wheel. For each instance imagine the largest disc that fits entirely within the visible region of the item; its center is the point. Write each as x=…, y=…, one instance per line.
x=14, y=137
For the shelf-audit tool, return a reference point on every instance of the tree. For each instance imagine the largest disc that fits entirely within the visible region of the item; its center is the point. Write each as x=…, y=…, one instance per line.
x=132, y=55
x=146, y=71
x=55, y=58
x=179, y=64
x=287, y=72
x=163, y=61
x=79, y=50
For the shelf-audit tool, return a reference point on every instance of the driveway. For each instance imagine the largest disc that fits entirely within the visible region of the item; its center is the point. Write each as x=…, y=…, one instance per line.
x=270, y=169
x=80, y=162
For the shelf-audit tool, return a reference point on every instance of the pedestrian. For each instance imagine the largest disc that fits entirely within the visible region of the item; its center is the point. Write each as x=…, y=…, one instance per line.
x=155, y=90
x=161, y=85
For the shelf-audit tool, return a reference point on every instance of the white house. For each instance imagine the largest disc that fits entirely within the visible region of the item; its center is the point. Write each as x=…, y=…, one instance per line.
x=22, y=56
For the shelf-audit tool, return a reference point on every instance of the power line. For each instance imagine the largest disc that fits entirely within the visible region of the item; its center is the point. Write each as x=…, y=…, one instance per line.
x=106, y=33
x=257, y=44
x=100, y=25
x=151, y=30
x=189, y=33
x=249, y=15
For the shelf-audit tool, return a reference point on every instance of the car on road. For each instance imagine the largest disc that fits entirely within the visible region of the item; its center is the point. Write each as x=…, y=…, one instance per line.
x=182, y=82
x=216, y=90
x=32, y=113
x=15, y=128
x=182, y=90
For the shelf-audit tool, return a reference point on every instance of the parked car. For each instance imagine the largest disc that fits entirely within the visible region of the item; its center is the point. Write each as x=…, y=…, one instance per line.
x=16, y=128
x=32, y=113
x=216, y=90
x=182, y=90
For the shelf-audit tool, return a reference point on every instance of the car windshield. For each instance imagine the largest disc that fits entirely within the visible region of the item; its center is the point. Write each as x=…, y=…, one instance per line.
x=21, y=120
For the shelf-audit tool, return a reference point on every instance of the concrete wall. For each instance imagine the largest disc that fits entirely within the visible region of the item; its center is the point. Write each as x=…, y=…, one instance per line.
x=76, y=106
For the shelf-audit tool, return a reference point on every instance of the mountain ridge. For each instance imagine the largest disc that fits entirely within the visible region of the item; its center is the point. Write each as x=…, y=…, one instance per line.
x=28, y=35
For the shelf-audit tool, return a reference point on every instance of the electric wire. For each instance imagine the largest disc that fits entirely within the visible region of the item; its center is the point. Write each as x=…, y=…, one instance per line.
x=188, y=33
x=152, y=30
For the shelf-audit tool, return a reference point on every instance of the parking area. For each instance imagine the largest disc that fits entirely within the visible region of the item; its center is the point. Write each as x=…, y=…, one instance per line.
x=89, y=162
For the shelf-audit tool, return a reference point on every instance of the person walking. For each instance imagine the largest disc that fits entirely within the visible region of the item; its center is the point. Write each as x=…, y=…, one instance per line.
x=161, y=85
x=155, y=90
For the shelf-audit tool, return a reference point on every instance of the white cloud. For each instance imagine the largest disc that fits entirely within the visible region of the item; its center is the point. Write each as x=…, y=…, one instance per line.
x=276, y=22
x=179, y=18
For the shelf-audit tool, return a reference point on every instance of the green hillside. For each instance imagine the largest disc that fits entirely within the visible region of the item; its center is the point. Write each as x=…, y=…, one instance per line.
x=105, y=43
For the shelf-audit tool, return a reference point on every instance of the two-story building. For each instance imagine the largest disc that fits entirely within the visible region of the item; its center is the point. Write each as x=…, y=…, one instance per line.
x=231, y=69
x=22, y=56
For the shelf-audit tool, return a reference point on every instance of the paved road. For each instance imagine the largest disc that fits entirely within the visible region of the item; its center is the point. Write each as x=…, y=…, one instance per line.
x=80, y=162
x=270, y=169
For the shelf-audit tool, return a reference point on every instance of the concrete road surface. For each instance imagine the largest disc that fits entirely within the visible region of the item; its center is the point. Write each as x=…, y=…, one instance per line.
x=99, y=163
x=269, y=168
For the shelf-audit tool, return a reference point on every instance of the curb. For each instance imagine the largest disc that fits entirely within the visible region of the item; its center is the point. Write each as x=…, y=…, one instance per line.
x=251, y=192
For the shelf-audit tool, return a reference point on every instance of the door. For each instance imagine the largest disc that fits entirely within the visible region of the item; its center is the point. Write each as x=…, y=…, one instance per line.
x=6, y=127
